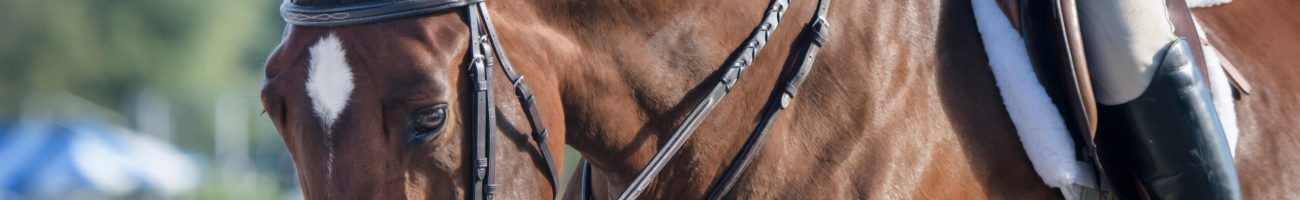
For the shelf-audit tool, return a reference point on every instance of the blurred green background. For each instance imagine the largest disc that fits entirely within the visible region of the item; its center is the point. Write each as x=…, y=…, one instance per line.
x=185, y=71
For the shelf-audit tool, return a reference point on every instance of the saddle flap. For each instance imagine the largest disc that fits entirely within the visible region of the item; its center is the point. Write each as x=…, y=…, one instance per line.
x=1052, y=35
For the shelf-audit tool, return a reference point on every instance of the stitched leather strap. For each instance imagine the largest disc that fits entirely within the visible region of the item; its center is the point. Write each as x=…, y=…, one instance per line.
x=481, y=75
x=736, y=66
x=811, y=39
x=366, y=12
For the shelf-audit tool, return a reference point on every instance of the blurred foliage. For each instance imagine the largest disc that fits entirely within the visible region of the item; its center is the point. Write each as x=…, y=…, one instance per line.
x=102, y=50
x=188, y=52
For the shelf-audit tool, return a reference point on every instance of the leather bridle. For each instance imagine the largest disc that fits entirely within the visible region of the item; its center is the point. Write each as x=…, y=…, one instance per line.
x=811, y=39
x=480, y=71
x=481, y=59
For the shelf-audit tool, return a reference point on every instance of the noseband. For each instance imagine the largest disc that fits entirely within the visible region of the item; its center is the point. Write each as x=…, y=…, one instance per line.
x=811, y=39
x=481, y=62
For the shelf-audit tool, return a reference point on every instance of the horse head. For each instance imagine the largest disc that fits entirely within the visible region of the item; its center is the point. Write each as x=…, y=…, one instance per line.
x=382, y=111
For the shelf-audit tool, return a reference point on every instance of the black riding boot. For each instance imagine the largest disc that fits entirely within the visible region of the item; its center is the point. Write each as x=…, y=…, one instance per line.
x=1169, y=138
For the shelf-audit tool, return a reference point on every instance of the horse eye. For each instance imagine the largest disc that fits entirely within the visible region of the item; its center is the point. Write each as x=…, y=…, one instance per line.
x=429, y=120
x=425, y=124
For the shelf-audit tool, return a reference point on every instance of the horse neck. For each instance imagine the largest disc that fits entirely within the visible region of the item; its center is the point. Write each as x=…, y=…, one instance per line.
x=583, y=42
x=628, y=71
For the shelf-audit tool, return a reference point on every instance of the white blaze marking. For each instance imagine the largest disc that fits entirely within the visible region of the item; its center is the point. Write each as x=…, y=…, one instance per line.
x=329, y=84
x=329, y=79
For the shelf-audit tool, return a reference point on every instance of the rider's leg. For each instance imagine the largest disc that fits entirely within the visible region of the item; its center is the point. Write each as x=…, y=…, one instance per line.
x=1145, y=75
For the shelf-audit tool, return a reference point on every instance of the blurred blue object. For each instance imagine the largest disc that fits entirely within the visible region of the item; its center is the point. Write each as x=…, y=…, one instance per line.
x=77, y=159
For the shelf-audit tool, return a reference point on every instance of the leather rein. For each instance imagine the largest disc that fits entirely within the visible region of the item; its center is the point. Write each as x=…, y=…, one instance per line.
x=483, y=33
x=811, y=39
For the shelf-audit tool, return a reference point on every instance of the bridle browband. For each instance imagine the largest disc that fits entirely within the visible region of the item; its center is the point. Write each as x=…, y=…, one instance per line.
x=481, y=61
x=812, y=38
x=364, y=12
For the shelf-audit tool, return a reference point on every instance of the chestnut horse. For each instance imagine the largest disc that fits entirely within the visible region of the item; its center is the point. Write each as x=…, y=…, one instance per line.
x=1259, y=36
x=344, y=100
x=900, y=104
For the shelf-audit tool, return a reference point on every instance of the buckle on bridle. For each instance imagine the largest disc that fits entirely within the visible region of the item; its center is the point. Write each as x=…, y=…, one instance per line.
x=818, y=28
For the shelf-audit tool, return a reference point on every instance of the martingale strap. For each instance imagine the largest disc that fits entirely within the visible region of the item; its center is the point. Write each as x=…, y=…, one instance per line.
x=737, y=65
x=812, y=38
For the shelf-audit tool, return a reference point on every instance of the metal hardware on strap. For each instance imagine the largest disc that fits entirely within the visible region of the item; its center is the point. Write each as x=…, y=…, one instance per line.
x=785, y=99
x=482, y=106
x=818, y=27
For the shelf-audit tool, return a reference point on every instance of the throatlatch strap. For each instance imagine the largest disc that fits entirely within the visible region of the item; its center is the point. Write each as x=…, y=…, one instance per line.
x=811, y=38
x=482, y=187
x=526, y=99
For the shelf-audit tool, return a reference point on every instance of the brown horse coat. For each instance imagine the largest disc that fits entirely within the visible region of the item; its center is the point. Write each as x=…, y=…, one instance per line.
x=1260, y=37
x=397, y=67
x=900, y=103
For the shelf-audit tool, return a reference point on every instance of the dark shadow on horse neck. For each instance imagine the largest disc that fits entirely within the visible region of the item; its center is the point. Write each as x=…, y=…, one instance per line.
x=602, y=24
x=973, y=104
x=605, y=14
x=521, y=142
x=691, y=51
